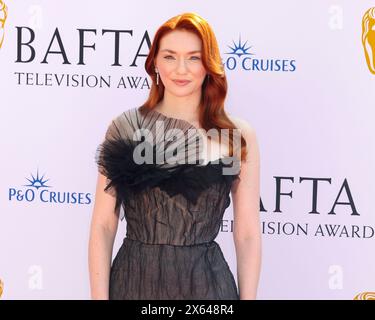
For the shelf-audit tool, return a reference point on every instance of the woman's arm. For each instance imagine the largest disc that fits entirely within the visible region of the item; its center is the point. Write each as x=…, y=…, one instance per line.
x=103, y=230
x=246, y=199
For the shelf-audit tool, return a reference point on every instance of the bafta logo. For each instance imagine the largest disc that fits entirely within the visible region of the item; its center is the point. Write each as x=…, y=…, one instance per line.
x=3, y=18
x=368, y=38
x=365, y=296
x=1, y=287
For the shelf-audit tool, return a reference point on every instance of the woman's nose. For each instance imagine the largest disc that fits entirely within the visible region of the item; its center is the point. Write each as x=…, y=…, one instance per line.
x=181, y=66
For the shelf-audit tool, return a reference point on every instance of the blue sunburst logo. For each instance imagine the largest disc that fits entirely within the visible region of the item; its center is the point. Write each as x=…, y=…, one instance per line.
x=240, y=49
x=37, y=182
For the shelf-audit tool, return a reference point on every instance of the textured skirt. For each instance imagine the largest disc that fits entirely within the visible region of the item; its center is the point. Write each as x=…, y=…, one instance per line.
x=171, y=272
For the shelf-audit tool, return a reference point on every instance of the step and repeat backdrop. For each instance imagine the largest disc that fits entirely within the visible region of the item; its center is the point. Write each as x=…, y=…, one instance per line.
x=301, y=73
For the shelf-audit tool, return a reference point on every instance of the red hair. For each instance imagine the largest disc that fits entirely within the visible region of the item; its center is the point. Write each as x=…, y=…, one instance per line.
x=214, y=87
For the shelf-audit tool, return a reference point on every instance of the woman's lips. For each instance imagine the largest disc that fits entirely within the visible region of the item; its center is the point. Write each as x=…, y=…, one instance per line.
x=181, y=82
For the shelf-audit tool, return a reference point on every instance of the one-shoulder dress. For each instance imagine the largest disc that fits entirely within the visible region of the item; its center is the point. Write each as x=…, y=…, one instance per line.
x=173, y=207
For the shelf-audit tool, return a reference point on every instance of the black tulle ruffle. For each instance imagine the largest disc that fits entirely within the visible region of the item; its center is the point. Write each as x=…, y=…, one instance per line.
x=126, y=177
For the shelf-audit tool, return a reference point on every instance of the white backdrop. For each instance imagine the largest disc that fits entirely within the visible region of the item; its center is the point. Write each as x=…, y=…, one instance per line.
x=296, y=72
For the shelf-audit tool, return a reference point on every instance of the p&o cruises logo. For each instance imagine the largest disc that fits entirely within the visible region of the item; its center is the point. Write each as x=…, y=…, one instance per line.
x=242, y=57
x=38, y=190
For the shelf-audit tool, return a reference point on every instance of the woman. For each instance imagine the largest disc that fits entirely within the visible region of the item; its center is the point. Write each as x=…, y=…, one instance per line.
x=174, y=208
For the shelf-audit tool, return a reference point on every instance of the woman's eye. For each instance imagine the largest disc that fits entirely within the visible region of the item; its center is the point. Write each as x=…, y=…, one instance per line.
x=191, y=58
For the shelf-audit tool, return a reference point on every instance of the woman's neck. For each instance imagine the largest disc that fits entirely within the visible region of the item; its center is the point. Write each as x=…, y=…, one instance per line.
x=185, y=108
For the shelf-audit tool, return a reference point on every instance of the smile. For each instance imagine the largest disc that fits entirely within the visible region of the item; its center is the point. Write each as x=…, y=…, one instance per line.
x=181, y=82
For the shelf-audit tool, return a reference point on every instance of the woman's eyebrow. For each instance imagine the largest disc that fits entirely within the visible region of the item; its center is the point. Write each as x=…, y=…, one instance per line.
x=171, y=51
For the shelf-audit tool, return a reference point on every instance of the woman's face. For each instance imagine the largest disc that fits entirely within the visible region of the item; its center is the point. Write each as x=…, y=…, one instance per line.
x=180, y=58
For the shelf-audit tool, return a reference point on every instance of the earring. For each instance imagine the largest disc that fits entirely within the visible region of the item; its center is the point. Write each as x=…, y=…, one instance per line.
x=157, y=76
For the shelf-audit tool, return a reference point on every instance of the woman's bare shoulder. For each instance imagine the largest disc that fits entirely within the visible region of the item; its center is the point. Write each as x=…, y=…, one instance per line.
x=247, y=130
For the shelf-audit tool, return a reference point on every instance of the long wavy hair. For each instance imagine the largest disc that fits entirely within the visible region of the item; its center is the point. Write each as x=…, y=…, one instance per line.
x=214, y=87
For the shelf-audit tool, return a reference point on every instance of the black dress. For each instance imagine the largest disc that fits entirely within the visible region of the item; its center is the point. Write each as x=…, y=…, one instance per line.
x=173, y=209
